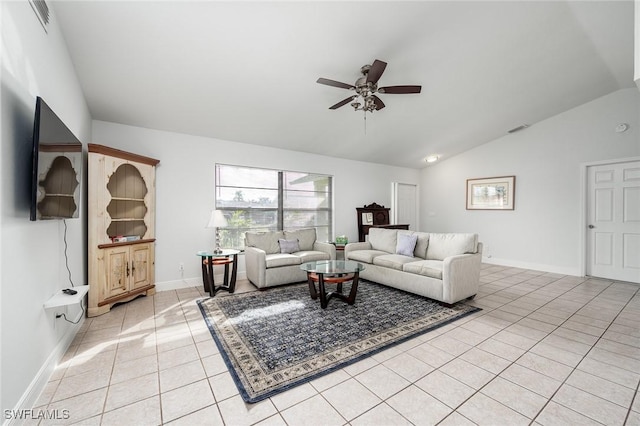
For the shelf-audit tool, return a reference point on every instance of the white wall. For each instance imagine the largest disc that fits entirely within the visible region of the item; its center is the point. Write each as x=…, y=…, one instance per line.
x=31, y=258
x=543, y=232
x=185, y=187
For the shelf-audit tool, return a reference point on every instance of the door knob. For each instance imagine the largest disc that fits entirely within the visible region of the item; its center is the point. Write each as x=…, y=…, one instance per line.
x=591, y=226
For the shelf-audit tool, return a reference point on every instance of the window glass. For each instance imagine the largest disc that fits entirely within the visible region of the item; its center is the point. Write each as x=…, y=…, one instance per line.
x=268, y=200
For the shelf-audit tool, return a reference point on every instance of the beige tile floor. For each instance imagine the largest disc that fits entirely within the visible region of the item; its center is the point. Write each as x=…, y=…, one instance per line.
x=547, y=349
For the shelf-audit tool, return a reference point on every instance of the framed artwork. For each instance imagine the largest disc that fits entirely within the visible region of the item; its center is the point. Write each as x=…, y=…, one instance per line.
x=367, y=218
x=495, y=193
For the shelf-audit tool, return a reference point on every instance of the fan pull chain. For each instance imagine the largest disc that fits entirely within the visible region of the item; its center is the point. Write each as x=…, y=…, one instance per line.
x=365, y=122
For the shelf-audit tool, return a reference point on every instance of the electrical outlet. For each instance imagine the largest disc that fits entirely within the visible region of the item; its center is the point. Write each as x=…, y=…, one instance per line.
x=181, y=267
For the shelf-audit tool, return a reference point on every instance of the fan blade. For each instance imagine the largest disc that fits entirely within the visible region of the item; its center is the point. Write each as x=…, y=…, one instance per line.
x=335, y=83
x=343, y=102
x=378, y=102
x=375, y=72
x=400, y=90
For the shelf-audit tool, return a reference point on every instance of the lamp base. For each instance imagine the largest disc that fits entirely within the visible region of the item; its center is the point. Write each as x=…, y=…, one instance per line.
x=217, y=249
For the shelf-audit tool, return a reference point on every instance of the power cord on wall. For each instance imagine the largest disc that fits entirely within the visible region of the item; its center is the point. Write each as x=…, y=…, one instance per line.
x=66, y=262
x=66, y=258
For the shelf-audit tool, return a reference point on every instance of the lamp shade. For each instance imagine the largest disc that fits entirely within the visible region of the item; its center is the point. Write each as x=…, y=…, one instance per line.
x=217, y=220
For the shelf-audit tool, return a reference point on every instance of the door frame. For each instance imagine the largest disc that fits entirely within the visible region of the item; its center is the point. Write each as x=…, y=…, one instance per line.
x=584, y=203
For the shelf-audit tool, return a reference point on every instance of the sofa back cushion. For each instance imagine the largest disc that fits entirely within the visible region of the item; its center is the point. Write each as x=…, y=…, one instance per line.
x=267, y=241
x=306, y=237
x=442, y=246
x=383, y=239
x=422, y=242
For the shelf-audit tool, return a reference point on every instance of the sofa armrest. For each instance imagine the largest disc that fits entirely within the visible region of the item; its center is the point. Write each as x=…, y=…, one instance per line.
x=461, y=276
x=256, y=266
x=328, y=248
x=355, y=246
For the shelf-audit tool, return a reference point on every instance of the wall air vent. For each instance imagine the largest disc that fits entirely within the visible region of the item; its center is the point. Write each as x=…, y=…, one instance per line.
x=517, y=129
x=42, y=12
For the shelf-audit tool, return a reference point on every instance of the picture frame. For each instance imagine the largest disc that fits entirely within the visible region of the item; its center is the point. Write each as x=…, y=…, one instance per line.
x=494, y=193
x=367, y=218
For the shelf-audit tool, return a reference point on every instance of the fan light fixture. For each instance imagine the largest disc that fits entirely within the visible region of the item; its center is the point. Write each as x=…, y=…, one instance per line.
x=366, y=88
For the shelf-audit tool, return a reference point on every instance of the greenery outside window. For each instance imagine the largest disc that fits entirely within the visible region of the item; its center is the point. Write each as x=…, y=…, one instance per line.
x=254, y=199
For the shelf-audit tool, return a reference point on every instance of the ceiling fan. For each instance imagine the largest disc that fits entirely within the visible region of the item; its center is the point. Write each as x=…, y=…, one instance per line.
x=366, y=88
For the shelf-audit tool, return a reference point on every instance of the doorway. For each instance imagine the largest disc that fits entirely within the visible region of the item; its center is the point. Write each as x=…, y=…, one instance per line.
x=613, y=221
x=405, y=205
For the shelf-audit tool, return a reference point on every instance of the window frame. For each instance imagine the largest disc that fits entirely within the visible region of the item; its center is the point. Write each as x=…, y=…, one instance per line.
x=280, y=208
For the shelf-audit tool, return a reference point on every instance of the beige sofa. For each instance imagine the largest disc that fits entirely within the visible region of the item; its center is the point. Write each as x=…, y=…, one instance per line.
x=274, y=258
x=444, y=267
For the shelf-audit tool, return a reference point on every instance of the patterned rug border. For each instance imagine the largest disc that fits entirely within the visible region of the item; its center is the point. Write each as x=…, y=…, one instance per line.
x=238, y=381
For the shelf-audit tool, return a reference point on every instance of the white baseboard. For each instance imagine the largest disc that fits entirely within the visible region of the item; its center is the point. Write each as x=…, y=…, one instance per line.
x=35, y=388
x=534, y=266
x=192, y=282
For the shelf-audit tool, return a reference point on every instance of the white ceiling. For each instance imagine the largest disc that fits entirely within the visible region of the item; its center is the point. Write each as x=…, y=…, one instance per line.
x=246, y=72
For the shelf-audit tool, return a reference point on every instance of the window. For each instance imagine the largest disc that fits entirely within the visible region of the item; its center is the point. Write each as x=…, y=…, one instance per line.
x=255, y=199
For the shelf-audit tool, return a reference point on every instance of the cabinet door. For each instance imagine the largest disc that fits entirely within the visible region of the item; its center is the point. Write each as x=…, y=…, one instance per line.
x=117, y=271
x=140, y=265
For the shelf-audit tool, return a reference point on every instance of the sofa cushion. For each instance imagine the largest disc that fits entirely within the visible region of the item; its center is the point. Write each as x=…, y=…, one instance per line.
x=383, y=239
x=306, y=237
x=365, y=256
x=288, y=246
x=428, y=268
x=393, y=261
x=442, y=246
x=281, y=259
x=267, y=241
x=406, y=244
x=312, y=256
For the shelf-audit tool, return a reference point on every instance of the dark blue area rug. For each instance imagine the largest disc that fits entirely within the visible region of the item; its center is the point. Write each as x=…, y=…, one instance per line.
x=279, y=338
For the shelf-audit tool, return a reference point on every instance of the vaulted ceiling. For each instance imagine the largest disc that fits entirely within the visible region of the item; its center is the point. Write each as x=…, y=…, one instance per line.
x=247, y=71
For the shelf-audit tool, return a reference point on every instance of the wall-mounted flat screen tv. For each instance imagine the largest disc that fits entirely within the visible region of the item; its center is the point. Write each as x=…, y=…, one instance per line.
x=56, y=167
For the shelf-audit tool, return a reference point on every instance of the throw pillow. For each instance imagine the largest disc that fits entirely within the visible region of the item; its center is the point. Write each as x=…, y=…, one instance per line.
x=406, y=244
x=288, y=246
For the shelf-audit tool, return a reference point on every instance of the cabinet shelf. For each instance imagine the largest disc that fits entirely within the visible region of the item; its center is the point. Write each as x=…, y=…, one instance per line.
x=139, y=200
x=127, y=219
x=63, y=299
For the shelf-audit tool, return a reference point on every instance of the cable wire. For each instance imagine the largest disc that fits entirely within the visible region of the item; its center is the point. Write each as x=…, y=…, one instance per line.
x=66, y=262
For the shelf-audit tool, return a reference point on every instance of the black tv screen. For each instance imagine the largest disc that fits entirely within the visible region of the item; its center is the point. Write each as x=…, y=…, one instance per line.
x=56, y=167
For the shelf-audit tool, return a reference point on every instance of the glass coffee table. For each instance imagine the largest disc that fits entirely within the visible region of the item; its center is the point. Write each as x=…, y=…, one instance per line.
x=332, y=272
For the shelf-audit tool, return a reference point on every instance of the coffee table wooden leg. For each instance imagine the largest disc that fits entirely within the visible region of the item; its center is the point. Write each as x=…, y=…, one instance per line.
x=354, y=290
x=312, y=287
x=234, y=272
x=323, y=293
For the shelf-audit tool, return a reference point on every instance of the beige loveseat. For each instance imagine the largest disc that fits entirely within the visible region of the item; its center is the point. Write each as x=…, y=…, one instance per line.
x=444, y=267
x=274, y=258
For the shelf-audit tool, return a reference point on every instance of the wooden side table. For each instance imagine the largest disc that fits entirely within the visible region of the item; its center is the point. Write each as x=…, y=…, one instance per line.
x=210, y=259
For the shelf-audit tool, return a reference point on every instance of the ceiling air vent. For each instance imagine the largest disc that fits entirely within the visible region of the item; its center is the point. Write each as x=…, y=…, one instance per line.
x=42, y=12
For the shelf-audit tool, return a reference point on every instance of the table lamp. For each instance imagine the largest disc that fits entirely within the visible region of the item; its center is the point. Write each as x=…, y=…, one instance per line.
x=217, y=220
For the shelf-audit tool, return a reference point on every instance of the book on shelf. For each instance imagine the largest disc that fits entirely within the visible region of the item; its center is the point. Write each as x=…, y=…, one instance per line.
x=124, y=238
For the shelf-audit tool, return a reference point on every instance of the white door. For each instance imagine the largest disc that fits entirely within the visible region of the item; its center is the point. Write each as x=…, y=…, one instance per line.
x=613, y=221
x=405, y=205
